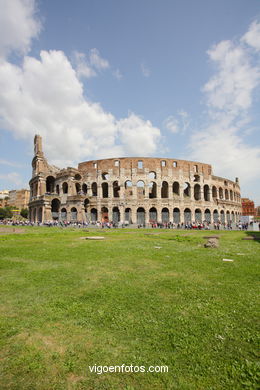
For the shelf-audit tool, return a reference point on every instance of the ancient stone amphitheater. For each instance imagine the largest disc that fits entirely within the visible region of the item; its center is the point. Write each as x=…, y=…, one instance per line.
x=129, y=190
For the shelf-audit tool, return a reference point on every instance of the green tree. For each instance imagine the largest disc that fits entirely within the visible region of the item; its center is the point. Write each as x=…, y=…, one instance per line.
x=2, y=213
x=24, y=213
x=6, y=212
x=9, y=212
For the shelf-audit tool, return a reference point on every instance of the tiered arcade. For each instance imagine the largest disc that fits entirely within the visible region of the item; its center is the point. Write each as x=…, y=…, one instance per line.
x=135, y=190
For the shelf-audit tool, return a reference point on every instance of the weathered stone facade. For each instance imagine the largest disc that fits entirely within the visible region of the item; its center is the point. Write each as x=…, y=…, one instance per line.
x=135, y=190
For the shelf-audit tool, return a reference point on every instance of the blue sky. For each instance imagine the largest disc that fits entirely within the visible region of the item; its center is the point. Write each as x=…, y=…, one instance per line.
x=120, y=78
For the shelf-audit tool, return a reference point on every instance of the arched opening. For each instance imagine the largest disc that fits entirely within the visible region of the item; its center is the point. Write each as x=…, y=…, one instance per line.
x=78, y=188
x=220, y=191
x=206, y=193
x=186, y=190
x=55, y=208
x=65, y=188
x=77, y=176
x=73, y=214
x=93, y=215
x=86, y=205
x=187, y=215
x=222, y=216
x=84, y=188
x=50, y=183
x=232, y=216
x=104, y=190
x=140, y=189
x=196, y=178
x=116, y=189
x=140, y=216
x=128, y=215
x=105, y=176
x=115, y=215
x=198, y=216
x=215, y=216
x=226, y=194
x=39, y=214
x=176, y=215
x=228, y=216
x=214, y=193
x=58, y=189
x=197, y=193
x=231, y=195
x=176, y=189
x=152, y=175
x=152, y=190
x=165, y=190
x=94, y=189
x=165, y=215
x=63, y=214
x=207, y=216
x=153, y=215
x=104, y=214
x=34, y=215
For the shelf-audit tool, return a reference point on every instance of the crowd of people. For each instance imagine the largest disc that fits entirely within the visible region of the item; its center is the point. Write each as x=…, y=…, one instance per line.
x=205, y=225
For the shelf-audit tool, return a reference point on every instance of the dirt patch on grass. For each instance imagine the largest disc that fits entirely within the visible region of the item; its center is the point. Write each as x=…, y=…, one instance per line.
x=42, y=341
x=11, y=230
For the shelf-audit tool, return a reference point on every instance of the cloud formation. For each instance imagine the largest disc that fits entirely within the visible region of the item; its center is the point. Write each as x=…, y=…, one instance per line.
x=45, y=95
x=145, y=70
x=18, y=25
x=177, y=124
x=89, y=66
x=229, y=96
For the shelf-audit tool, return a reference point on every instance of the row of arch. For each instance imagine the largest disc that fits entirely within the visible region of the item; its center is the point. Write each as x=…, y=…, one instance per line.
x=200, y=192
x=154, y=215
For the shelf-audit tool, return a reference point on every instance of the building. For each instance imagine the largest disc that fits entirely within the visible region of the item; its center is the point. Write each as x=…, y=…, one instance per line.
x=4, y=198
x=19, y=199
x=248, y=207
x=134, y=190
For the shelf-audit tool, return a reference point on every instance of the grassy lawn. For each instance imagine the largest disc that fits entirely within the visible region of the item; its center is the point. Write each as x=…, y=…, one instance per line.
x=147, y=298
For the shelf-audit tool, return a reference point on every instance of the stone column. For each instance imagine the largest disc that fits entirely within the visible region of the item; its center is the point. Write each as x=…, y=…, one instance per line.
x=170, y=193
x=147, y=216
x=122, y=213
x=110, y=190
x=134, y=189
x=158, y=190
x=146, y=191
x=133, y=214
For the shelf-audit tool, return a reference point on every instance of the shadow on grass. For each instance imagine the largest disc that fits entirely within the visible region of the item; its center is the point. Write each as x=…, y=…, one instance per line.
x=251, y=235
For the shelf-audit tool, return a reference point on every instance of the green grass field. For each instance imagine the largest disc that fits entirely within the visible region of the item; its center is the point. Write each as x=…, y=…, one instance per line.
x=147, y=298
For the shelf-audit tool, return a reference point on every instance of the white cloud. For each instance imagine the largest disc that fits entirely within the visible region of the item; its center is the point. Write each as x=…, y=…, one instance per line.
x=177, y=124
x=252, y=36
x=89, y=66
x=230, y=89
x=13, y=180
x=229, y=97
x=145, y=70
x=10, y=163
x=138, y=137
x=117, y=74
x=97, y=61
x=45, y=96
x=18, y=25
x=73, y=128
x=83, y=68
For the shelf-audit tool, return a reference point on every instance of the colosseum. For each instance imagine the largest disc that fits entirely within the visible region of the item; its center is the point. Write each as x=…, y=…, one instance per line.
x=131, y=190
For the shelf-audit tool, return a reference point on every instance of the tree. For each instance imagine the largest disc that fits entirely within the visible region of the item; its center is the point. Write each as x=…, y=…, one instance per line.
x=6, y=212
x=2, y=213
x=24, y=213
